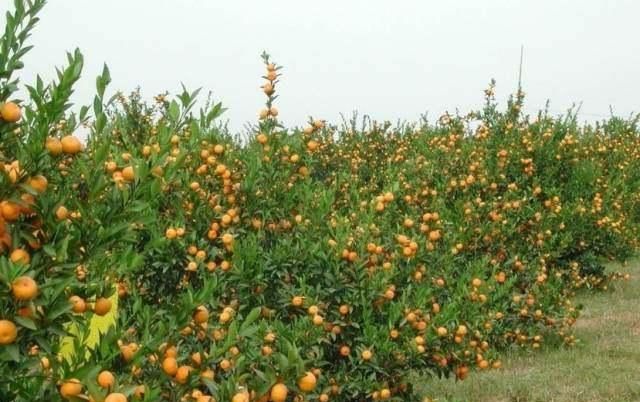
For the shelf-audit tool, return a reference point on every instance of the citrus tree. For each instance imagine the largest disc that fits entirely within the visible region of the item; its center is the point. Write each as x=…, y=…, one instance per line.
x=316, y=263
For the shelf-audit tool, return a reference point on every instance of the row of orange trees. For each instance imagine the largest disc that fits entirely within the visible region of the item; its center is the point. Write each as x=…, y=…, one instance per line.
x=323, y=263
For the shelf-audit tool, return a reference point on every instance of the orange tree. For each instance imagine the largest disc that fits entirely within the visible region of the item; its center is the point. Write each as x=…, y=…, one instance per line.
x=321, y=263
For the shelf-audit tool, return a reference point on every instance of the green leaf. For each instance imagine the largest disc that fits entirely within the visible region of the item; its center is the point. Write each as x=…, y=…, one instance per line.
x=26, y=322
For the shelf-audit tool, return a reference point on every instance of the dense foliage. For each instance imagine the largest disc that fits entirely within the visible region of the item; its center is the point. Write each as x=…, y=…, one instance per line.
x=322, y=263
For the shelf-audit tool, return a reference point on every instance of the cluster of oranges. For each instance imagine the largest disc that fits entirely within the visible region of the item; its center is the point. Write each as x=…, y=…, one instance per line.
x=316, y=264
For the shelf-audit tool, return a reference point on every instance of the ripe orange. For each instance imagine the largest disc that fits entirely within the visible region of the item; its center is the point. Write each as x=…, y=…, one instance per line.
x=39, y=183
x=435, y=235
x=24, y=288
x=78, y=305
x=62, y=213
x=20, y=256
x=128, y=173
x=297, y=301
x=54, y=146
x=201, y=315
x=8, y=332
x=196, y=358
x=10, y=112
x=307, y=383
x=317, y=320
x=128, y=351
x=171, y=351
x=106, y=379
x=268, y=89
x=367, y=354
x=170, y=233
x=207, y=374
x=240, y=397
x=138, y=392
x=45, y=363
x=70, y=145
x=115, y=397
x=442, y=331
x=70, y=388
x=102, y=306
x=10, y=211
x=5, y=242
x=170, y=366
x=279, y=393
x=28, y=202
x=182, y=374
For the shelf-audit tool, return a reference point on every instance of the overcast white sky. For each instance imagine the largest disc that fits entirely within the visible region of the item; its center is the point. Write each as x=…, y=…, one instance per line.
x=390, y=59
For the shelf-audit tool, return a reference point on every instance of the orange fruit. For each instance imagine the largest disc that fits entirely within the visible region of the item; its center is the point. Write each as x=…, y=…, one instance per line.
x=201, y=315
x=262, y=138
x=128, y=351
x=207, y=374
x=10, y=211
x=8, y=332
x=39, y=183
x=297, y=301
x=435, y=235
x=24, y=288
x=10, y=112
x=70, y=388
x=78, y=305
x=62, y=213
x=240, y=397
x=54, y=146
x=268, y=89
x=196, y=358
x=279, y=393
x=128, y=173
x=171, y=234
x=307, y=383
x=171, y=351
x=20, y=256
x=170, y=366
x=45, y=363
x=28, y=202
x=5, y=241
x=102, y=306
x=115, y=397
x=138, y=392
x=182, y=374
x=70, y=145
x=106, y=379
x=367, y=354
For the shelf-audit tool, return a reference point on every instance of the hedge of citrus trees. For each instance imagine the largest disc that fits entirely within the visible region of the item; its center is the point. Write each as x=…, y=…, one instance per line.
x=317, y=264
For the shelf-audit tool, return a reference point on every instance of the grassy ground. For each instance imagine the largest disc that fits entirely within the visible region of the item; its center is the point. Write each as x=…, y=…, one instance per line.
x=604, y=367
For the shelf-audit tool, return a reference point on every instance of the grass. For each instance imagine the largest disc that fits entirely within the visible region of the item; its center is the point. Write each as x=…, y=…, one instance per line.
x=603, y=367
